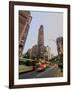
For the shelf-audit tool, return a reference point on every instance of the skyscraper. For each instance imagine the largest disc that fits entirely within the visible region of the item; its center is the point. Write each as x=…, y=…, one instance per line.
x=59, y=42
x=41, y=42
x=24, y=24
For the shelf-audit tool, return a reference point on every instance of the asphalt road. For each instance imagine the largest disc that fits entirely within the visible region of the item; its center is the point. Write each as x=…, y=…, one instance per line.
x=49, y=72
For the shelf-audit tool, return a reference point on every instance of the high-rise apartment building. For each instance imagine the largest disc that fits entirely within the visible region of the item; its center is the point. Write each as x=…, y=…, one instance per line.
x=24, y=24
x=59, y=42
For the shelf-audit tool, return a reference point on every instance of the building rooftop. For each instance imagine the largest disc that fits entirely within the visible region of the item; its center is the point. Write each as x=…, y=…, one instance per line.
x=41, y=28
x=25, y=13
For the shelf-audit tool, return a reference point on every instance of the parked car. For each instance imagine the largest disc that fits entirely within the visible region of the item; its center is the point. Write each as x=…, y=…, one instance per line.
x=41, y=67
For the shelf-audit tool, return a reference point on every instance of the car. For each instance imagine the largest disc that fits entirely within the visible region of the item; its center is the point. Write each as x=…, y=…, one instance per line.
x=60, y=65
x=41, y=67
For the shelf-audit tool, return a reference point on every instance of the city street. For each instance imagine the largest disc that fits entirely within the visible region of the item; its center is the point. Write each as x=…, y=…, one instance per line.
x=40, y=49
x=49, y=72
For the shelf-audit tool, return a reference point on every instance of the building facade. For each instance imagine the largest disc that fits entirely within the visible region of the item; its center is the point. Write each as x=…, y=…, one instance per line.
x=41, y=42
x=59, y=42
x=24, y=24
x=34, y=53
x=47, y=53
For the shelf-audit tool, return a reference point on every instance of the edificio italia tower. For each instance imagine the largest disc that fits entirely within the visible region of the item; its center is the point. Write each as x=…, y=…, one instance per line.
x=41, y=42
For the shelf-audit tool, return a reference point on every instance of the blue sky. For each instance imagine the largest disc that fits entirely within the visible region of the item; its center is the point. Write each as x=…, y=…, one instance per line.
x=53, y=28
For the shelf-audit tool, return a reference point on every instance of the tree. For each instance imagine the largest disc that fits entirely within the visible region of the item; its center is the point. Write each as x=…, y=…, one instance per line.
x=26, y=55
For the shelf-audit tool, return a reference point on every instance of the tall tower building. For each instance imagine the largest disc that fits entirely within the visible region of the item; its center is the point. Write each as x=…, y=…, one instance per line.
x=41, y=42
x=24, y=24
x=59, y=42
